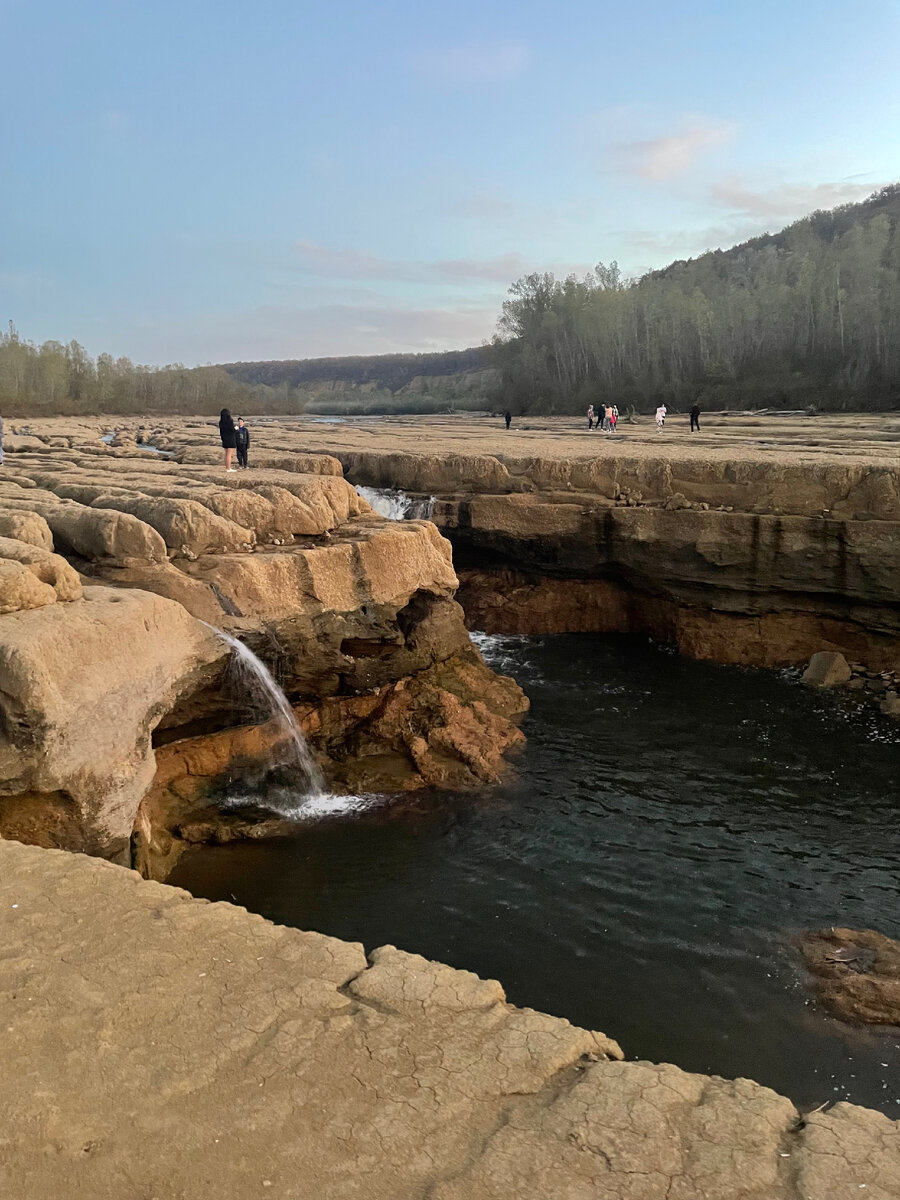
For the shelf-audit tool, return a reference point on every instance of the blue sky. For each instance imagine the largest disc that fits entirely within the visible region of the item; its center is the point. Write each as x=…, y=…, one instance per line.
x=202, y=181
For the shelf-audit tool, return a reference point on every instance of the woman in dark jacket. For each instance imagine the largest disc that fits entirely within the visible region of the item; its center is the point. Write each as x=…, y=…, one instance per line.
x=227, y=434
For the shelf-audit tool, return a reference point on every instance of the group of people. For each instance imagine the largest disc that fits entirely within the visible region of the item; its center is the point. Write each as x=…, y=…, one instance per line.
x=604, y=417
x=235, y=437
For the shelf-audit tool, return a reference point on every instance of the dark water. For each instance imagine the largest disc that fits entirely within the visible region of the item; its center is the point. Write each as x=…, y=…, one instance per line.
x=673, y=825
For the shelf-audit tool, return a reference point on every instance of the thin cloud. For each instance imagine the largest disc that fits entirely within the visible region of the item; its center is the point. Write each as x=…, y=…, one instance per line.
x=359, y=264
x=473, y=62
x=672, y=155
x=786, y=201
x=687, y=243
x=481, y=206
x=286, y=331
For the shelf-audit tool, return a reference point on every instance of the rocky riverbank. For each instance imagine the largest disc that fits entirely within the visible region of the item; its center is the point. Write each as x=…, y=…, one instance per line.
x=160, y=1046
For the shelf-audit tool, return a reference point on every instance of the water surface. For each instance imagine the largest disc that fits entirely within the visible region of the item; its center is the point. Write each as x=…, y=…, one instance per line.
x=673, y=824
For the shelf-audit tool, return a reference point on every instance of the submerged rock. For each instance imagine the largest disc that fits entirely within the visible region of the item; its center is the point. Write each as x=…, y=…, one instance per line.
x=856, y=973
x=826, y=669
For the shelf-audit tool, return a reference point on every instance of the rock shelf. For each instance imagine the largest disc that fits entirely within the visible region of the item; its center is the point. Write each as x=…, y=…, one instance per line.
x=159, y=1046
x=110, y=559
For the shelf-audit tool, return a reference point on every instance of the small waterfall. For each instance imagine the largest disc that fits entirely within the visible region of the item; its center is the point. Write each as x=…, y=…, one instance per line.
x=395, y=505
x=262, y=678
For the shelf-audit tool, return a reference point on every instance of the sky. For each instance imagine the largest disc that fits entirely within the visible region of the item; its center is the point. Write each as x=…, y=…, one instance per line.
x=201, y=181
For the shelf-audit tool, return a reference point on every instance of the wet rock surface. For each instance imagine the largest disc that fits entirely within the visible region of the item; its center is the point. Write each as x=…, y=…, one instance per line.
x=856, y=974
x=194, y=1050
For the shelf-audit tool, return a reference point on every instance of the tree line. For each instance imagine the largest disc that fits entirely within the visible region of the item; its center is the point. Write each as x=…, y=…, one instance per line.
x=57, y=379
x=809, y=316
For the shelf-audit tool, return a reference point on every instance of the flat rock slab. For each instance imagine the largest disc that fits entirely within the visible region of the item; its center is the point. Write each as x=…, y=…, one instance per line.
x=157, y=1046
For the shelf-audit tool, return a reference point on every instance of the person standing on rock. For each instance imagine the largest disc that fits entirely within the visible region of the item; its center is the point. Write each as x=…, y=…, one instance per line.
x=507, y=417
x=242, y=439
x=695, y=418
x=228, y=434
x=590, y=416
x=660, y=418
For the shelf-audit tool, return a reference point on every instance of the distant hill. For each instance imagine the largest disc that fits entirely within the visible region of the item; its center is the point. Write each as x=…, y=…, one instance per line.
x=372, y=384
x=392, y=371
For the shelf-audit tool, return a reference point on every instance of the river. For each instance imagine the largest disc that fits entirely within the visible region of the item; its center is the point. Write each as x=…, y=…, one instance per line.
x=672, y=825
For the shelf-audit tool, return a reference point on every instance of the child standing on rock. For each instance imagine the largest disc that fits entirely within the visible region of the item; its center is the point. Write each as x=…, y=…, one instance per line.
x=242, y=439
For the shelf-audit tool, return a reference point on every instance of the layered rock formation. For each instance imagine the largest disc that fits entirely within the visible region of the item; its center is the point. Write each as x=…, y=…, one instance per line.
x=355, y=615
x=157, y=1045
x=755, y=556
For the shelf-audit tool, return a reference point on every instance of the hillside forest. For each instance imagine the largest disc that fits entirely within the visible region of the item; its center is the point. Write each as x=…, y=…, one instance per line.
x=807, y=317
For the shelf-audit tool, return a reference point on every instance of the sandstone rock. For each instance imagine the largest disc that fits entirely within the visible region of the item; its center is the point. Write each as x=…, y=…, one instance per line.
x=826, y=669
x=15, y=443
x=890, y=705
x=856, y=974
x=47, y=567
x=84, y=684
x=100, y=534
x=21, y=589
x=26, y=527
x=183, y=524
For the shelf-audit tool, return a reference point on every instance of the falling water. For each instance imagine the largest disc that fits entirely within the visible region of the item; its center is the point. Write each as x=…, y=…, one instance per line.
x=280, y=706
x=395, y=505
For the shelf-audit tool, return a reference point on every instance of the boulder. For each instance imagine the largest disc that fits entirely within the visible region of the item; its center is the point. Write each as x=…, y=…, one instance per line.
x=21, y=589
x=26, y=527
x=84, y=685
x=890, y=705
x=827, y=669
x=856, y=974
x=49, y=568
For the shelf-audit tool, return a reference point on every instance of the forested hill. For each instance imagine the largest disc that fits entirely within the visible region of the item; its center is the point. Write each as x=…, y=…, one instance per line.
x=806, y=316
x=391, y=371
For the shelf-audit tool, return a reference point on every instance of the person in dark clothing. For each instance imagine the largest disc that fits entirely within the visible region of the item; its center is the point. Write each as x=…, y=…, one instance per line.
x=227, y=433
x=507, y=417
x=242, y=438
x=695, y=418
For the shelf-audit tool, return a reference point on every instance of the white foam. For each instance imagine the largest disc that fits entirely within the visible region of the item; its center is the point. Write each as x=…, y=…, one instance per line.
x=315, y=808
x=395, y=505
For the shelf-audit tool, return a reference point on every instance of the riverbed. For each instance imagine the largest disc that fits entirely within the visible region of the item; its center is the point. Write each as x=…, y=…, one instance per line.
x=670, y=828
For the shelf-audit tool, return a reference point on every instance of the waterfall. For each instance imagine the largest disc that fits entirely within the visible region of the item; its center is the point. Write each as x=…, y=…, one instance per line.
x=251, y=666
x=395, y=505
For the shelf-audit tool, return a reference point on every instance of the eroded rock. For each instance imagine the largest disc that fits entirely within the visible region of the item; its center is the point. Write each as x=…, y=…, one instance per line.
x=856, y=974
x=826, y=669
x=84, y=684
